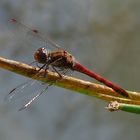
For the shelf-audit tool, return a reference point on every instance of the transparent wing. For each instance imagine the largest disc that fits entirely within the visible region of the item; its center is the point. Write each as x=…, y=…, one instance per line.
x=35, y=97
x=21, y=87
x=33, y=36
x=24, y=94
x=17, y=91
x=20, y=90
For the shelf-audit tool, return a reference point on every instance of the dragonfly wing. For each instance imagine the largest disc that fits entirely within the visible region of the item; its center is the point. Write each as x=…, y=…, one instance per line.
x=19, y=89
x=23, y=93
x=35, y=97
x=31, y=35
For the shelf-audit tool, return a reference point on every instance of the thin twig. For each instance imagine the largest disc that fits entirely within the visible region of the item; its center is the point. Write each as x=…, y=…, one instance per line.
x=103, y=92
x=115, y=106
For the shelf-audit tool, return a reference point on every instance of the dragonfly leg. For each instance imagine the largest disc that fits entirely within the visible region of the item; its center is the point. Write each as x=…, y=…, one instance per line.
x=38, y=65
x=46, y=68
x=54, y=67
x=60, y=75
x=31, y=63
x=40, y=68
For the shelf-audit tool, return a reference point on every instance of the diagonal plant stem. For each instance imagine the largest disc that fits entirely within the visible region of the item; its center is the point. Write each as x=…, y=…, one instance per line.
x=102, y=92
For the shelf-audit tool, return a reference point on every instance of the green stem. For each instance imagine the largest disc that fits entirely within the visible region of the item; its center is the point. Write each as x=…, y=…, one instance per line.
x=114, y=106
x=130, y=108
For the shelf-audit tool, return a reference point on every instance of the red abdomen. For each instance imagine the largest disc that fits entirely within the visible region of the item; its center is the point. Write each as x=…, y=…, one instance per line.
x=78, y=67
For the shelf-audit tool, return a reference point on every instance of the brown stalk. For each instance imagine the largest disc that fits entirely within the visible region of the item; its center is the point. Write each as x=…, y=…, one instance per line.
x=103, y=92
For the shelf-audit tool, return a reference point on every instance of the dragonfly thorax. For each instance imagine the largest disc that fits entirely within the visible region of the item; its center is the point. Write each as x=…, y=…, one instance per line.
x=41, y=55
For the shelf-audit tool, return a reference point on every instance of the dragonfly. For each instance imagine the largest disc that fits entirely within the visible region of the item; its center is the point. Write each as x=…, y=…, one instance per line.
x=61, y=61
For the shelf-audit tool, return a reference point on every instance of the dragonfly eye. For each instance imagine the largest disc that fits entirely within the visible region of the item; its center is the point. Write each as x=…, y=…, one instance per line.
x=41, y=55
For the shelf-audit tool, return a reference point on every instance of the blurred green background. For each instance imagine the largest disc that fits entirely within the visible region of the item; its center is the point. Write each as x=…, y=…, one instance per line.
x=102, y=35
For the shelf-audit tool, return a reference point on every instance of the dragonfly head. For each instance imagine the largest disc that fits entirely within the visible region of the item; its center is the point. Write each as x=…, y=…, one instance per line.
x=41, y=55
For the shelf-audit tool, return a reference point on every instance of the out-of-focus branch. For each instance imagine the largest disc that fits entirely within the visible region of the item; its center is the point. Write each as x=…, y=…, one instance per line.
x=103, y=92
